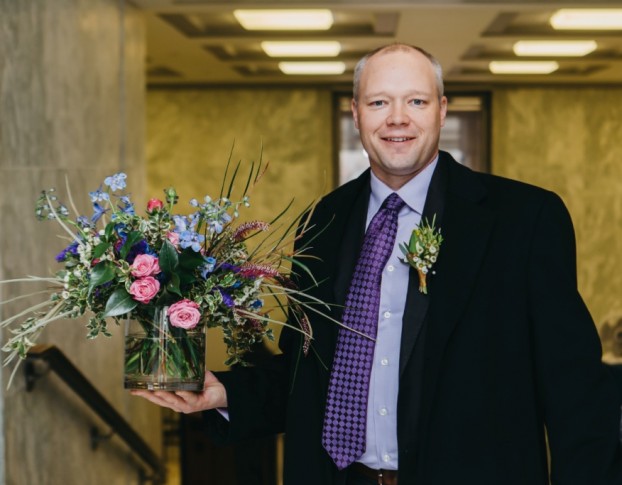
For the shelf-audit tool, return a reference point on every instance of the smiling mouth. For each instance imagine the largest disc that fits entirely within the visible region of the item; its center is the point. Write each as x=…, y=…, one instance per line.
x=398, y=139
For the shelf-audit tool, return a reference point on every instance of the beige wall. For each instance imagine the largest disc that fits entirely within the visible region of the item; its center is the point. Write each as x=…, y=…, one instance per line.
x=71, y=105
x=190, y=134
x=568, y=140
x=564, y=139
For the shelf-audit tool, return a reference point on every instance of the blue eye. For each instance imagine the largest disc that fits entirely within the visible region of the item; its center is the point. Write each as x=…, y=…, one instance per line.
x=377, y=103
x=418, y=102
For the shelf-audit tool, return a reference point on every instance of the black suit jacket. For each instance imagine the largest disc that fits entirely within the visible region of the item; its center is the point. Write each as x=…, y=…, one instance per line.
x=501, y=347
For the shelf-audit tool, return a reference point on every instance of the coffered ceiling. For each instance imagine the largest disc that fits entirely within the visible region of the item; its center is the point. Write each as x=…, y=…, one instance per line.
x=200, y=42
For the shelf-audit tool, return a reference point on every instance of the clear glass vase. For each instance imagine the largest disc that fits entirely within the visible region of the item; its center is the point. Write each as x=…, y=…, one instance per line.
x=159, y=356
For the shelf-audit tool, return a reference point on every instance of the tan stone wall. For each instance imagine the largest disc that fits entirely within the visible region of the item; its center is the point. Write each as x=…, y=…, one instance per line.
x=71, y=106
x=563, y=139
x=568, y=140
x=190, y=134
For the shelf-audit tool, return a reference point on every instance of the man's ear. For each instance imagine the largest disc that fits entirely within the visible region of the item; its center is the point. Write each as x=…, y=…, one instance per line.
x=355, y=113
x=443, y=110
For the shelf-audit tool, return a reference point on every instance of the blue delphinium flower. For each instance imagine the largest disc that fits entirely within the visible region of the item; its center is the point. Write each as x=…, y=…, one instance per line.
x=257, y=304
x=208, y=267
x=83, y=222
x=99, y=195
x=191, y=239
x=128, y=206
x=98, y=212
x=182, y=223
x=116, y=181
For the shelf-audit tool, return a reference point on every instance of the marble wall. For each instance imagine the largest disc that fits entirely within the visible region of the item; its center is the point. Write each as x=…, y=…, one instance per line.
x=190, y=134
x=567, y=140
x=71, y=108
x=563, y=139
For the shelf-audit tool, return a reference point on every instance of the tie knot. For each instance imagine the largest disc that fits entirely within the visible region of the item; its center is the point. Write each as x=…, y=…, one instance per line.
x=393, y=203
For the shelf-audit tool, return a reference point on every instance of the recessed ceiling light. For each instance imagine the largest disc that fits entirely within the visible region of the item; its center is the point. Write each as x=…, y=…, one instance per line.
x=587, y=19
x=312, y=68
x=523, y=67
x=302, y=49
x=315, y=19
x=554, y=47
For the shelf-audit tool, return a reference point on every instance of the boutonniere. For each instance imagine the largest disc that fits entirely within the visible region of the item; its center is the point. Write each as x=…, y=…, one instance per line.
x=422, y=250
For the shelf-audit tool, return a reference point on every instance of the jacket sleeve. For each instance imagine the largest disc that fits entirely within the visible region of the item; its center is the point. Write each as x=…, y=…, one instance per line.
x=257, y=399
x=578, y=397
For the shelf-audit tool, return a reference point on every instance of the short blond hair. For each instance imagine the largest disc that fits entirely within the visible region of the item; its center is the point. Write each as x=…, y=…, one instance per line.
x=360, y=66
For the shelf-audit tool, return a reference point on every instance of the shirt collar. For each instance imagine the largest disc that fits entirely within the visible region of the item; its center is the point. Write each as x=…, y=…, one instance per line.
x=413, y=192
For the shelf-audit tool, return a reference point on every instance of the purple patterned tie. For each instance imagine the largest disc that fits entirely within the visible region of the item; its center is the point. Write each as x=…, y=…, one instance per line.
x=345, y=419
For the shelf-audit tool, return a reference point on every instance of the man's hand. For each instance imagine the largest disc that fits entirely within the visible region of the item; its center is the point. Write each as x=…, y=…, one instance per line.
x=213, y=396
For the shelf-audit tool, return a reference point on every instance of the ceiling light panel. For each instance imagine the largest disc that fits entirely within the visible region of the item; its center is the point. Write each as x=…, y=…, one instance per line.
x=315, y=19
x=302, y=49
x=312, y=68
x=566, y=48
x=523, y=67
x=587, y=19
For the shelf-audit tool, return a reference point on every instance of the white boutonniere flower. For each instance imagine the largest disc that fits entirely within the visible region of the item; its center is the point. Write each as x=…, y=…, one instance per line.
x=422, y=250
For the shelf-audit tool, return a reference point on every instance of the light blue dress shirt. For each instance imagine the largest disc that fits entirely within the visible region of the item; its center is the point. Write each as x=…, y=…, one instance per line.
x=381, y=451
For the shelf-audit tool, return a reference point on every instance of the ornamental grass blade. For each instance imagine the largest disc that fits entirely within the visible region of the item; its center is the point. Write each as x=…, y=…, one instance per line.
x=224, y=178
x=233, y=177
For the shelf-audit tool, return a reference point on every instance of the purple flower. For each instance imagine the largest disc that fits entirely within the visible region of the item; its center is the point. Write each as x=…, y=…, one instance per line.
x=228, y=267
x=227, y=299
x=71, y=249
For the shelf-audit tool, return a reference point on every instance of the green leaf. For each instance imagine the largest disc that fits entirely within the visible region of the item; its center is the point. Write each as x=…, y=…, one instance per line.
x=166, y=298
x=412, y=244
x=190, y=260
x=132, y=238
x=119, y=303
x=168, y=258
x=109, y=230
x=173, y=285
x=100, y=249
x=101, y=273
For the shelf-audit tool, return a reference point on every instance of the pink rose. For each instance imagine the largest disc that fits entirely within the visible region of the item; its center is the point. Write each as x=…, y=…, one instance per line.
x=144, y=265
x=173, y=238
x=184, y=314
x=144, y=289
x=154, y=205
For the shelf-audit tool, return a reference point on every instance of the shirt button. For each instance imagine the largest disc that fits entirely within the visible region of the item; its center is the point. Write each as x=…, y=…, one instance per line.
x=384, y=362
x=387, y=314
x=383, y=411
x=386, y=458
x=390, y=267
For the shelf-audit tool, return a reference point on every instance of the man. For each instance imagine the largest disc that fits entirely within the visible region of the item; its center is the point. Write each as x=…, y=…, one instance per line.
x=466, y=377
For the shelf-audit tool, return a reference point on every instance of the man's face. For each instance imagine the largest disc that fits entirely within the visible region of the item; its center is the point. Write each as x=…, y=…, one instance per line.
x=399, y=115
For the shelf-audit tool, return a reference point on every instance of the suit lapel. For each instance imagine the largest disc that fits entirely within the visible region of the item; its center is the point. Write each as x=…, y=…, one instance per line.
x=416, y=302
x=466, y=228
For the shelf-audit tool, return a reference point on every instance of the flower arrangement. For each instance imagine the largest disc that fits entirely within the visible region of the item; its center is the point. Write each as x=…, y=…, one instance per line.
x=200, y=267
x=422, y=250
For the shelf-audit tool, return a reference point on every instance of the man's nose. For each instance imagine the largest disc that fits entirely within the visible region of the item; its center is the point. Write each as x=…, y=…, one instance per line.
x=398, y=115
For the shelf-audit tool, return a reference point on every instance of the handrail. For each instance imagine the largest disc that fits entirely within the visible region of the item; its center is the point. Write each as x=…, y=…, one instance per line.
x=72, y=376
